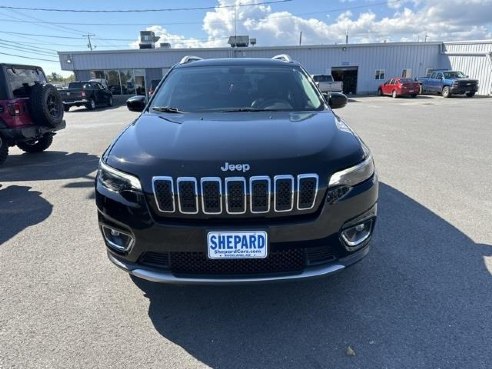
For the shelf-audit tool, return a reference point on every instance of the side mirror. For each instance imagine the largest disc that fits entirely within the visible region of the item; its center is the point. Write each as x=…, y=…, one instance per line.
x=336, y=100
x=136, y=103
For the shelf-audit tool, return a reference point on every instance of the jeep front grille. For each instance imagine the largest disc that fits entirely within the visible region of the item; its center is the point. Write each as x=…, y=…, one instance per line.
x=235, y=195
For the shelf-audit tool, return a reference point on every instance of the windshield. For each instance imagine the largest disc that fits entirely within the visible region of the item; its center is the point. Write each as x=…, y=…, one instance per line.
x=322, y=78
x=237, y=88
x=449, y=75
x=20, y=80
x=78, y=85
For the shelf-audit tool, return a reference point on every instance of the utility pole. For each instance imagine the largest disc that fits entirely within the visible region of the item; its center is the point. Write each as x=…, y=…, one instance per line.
x=89, y=43
x=300, y=38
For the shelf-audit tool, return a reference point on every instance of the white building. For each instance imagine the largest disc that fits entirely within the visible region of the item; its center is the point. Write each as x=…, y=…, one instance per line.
x=361, y=67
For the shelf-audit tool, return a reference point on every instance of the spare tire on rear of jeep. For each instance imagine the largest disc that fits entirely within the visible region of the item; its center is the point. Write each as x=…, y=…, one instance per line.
x=46, y=105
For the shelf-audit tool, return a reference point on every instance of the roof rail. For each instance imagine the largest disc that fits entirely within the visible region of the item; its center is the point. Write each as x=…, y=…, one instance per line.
x=283, y=57
x=189, y=58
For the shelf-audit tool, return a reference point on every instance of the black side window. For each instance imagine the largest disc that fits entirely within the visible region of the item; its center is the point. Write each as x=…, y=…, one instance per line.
x=20, y=81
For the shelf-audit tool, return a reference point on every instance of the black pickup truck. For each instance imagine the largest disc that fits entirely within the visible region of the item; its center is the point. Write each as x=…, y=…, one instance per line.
x=88, y=94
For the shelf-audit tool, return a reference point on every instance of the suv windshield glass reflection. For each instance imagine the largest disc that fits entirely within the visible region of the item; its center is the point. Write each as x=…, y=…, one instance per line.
x=238, y=88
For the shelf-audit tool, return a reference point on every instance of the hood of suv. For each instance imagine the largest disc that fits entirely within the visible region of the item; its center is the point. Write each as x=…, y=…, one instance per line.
x=228, y=144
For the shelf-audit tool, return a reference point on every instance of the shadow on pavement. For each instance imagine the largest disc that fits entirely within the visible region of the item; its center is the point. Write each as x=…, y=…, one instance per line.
x=47, y=166
x=420, y=299
x=20, y=208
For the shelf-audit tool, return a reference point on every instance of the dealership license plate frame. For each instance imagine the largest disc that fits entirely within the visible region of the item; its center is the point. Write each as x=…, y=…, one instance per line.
x=232, y=251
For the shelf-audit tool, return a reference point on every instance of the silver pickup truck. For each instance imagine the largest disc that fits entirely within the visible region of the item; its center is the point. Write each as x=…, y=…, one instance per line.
x=326, y=83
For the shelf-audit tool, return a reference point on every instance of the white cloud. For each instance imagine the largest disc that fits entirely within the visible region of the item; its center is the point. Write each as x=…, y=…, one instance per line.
x=176, y=41
x=410, y=20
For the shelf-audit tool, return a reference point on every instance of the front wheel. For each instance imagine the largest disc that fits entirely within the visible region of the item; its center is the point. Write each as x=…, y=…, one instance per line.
x=446, y=92
x=36, y=145
x=4, y=150
x=91, y=105
x=393, y=94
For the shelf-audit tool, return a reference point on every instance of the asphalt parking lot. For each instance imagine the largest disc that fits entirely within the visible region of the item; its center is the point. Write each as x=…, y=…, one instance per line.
x=422, y=298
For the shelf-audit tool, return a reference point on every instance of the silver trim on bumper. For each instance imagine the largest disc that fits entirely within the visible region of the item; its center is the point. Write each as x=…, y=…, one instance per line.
x=167, y=277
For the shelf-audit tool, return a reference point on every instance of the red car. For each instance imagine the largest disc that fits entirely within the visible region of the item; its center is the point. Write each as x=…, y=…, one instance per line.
x=399, y=87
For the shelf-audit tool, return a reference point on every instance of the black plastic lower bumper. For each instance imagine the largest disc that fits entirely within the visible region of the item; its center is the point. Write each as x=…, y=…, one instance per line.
x=29, y=132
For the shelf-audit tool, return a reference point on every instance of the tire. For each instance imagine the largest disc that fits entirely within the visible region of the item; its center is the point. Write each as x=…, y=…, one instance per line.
x=36, y=145
x=394, y=95
x=414, y=95
x=470, y=94
x=446, y=92
x=110, y=101
x=4, y=150
x=46, y=105
x=91, y=105
x=380, y=92
x=66, y=107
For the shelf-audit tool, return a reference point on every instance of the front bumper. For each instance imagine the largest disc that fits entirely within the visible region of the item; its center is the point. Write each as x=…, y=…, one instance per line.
x=170, y=278
x=318, y=235
x=461, y=90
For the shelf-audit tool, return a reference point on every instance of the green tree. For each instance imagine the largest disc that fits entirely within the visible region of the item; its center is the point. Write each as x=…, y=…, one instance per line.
x=55, y=77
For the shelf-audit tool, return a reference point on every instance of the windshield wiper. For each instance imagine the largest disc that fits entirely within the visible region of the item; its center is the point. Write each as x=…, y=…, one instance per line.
x=166, y=109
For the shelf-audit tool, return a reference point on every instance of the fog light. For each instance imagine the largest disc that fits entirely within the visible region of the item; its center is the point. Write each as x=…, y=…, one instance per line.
x=117, y=240
x=357, y=232
x=356, y=235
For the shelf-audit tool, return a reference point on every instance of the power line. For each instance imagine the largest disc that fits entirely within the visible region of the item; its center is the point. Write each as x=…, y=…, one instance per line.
x=26, y=57
x=101, y=24
x=27, y=49
x=141, y=10
x=38, y=35
x=36, y=43
x=49, y=25
x=28, y=43
x=199, y=22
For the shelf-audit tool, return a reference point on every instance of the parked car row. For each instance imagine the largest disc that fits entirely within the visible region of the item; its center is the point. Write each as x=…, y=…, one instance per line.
x=442, y=82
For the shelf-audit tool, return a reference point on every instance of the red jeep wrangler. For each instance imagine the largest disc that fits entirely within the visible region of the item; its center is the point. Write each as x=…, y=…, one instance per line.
x=31, y=110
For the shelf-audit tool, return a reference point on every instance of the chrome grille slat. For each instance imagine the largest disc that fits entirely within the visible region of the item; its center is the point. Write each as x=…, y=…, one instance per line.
x=307, y=189
x=235, y=195
x=235, y=189
x=211, y=194
x=187, y=195
x=260, y=189
x=283, y=193
x=164, y=194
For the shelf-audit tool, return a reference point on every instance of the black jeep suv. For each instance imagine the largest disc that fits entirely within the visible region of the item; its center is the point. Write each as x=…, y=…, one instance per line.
x=236, y=171
x=31, y=110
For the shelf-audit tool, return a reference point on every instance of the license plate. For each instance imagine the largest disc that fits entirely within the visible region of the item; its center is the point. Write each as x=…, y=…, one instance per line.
x=237, y=245
x=410, y=90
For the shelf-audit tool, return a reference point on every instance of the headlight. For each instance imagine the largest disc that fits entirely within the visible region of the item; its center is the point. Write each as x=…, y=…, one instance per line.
x=353, y=175
x=117, y=181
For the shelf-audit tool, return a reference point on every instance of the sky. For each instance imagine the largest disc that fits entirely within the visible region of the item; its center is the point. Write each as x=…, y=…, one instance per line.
x=32, y=31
